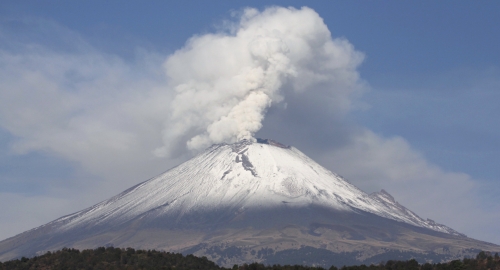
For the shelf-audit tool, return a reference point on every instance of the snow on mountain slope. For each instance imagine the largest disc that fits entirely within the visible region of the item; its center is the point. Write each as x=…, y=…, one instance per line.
x=244, y=175
x=388, y=201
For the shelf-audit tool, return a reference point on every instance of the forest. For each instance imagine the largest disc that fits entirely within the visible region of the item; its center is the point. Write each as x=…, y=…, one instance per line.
x=129, y=258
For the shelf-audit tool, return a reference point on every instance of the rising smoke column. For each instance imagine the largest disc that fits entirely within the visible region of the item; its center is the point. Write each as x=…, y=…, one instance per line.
x=225, y=82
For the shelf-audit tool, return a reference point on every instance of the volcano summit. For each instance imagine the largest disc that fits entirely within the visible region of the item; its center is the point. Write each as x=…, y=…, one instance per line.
x=252, y=201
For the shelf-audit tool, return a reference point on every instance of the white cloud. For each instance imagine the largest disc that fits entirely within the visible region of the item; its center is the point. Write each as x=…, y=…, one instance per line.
x=90, y=107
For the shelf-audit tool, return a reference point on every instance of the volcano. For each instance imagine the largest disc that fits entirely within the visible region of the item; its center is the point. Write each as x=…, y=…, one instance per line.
x=252, y=202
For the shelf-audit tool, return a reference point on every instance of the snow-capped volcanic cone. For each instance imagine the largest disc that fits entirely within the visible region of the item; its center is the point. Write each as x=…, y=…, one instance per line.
x=251, y=201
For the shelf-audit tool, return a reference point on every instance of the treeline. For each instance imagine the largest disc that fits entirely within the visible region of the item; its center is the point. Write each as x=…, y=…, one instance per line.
x=483, y=261
x=119, y=258
x=110, y=258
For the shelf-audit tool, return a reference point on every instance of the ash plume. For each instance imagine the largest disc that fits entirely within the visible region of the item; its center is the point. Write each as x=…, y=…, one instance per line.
x=225, y=82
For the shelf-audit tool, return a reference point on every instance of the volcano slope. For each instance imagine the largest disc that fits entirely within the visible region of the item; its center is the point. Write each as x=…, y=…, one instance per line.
x=252, y=202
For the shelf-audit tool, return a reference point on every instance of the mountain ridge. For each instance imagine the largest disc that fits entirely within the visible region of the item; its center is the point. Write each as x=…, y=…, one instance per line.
x=247, y=196
x=289, y=192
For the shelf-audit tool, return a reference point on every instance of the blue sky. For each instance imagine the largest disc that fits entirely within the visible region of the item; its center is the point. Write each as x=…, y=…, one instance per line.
x=424, y=120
